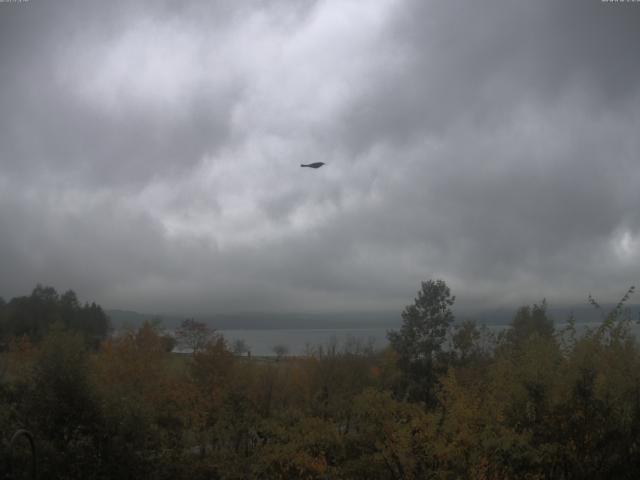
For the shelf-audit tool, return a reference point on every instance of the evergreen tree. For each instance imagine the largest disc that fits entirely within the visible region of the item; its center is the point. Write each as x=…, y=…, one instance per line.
x=419, y=342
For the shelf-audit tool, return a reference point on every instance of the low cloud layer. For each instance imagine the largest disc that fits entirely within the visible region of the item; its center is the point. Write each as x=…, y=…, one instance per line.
x=149, y=152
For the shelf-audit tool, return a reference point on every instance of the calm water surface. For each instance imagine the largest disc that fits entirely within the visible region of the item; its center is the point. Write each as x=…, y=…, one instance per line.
x=261, y=342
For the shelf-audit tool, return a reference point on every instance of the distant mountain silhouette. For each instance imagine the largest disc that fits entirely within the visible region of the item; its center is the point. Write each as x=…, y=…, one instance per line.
x=389, y=319
x=582, y=313
x=264, y=321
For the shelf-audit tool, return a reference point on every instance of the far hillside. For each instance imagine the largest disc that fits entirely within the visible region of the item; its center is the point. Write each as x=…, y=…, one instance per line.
x=583, y=313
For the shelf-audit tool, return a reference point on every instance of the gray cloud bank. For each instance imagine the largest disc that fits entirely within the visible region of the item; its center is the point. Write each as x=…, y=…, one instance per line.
x=149, y=152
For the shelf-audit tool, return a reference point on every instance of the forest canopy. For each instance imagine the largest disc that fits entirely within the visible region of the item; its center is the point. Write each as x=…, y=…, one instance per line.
x=33, y=315
x=446, y=399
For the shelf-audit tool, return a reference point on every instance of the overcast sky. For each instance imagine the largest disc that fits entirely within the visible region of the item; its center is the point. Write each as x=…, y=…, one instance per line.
x=150, y=151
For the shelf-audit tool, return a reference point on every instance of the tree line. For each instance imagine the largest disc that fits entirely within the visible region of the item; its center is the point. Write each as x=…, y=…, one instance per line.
x=444, y=400
x=33, y=315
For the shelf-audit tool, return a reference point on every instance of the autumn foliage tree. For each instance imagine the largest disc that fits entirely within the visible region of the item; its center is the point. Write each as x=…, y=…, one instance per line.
x=193, y=335
x=442, y=401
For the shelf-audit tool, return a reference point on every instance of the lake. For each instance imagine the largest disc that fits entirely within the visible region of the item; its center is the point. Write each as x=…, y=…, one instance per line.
x=261, y=342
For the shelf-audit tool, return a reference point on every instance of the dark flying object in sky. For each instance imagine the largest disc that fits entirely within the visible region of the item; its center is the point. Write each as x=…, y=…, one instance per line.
x=313, y=165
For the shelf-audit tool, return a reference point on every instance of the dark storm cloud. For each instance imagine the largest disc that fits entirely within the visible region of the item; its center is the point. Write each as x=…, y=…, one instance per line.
x=478, y=61
x=149, y=151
